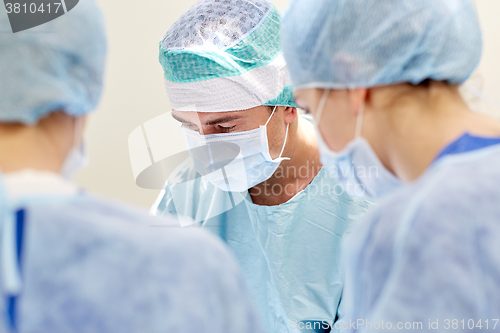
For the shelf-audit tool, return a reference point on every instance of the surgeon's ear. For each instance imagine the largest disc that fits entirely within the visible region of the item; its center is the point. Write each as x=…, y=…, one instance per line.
x=358, y=96
x=290, y=114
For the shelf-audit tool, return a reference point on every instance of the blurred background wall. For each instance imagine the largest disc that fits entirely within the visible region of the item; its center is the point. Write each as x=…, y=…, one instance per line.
x=134, y=91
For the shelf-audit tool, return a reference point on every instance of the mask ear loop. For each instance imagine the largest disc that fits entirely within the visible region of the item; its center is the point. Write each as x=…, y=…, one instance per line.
x=321, y=105
x=286, y=136
x=78, y=132
x=359, y=120
x=272, y=114
x=284, y=144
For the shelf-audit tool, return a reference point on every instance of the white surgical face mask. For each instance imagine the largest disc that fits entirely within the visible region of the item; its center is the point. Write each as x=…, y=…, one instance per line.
x=357, y=166
x=77, y=157
x=234, y=162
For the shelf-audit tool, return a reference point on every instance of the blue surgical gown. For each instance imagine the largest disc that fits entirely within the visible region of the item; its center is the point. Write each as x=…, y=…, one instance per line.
x=91, y=265
x=429, y=256
x=290, y=254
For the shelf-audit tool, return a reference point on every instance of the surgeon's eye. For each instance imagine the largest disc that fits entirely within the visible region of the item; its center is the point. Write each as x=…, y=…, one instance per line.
x=226, y=129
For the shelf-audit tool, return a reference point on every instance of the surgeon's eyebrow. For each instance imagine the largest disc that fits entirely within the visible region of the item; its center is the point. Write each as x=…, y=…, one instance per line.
x=223, y=120
x=210, y=123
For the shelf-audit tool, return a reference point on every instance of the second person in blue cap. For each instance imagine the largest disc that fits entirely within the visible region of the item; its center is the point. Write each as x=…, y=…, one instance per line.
x=382, y=81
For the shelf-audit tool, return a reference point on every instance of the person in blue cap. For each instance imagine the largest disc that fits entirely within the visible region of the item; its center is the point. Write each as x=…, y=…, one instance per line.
x=73, y=262
x=254, y=176
x=382, y=80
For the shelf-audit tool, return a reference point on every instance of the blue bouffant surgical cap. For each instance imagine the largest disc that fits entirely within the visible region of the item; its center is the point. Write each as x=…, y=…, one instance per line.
x=225, y=55
x=339, y=44
x=56, y=66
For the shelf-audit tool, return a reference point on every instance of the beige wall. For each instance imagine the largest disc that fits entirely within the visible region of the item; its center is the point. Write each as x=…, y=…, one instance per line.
x=134, y=90
x=487, y=76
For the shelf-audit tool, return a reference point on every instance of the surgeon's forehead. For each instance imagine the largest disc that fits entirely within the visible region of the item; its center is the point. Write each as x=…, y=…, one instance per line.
x=208, y=117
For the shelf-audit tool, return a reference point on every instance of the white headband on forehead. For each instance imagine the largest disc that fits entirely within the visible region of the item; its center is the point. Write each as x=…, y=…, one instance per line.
x=254, y=88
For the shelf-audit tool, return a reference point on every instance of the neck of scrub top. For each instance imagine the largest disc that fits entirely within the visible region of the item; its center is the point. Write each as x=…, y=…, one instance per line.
x=43, y=146
x=295, y=174
x=407, y=134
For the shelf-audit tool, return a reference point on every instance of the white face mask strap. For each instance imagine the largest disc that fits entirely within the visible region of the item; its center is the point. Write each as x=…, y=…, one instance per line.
x=78, y=132
x=284, y=143
x=321, y=105
x=286, y=133
x=359, y=120
x=272, y=114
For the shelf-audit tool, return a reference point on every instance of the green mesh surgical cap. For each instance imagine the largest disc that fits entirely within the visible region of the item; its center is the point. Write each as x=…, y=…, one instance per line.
x=225, y=55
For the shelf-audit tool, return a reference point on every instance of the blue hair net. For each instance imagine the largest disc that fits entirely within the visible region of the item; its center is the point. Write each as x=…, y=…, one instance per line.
x=56, y=66
x=339, y=44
